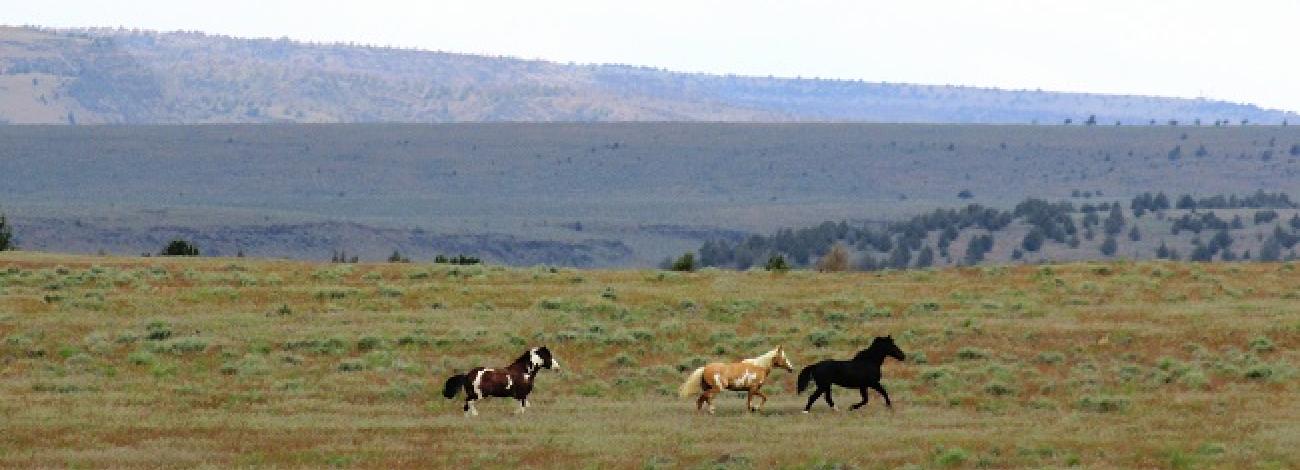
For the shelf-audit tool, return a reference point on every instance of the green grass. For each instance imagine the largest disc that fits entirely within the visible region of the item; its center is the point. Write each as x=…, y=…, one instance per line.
x=1110, y=377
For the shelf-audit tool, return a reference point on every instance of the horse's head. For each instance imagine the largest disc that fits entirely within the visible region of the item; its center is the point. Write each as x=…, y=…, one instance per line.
x=782, y=361
x=541, y=357
x=887, y=346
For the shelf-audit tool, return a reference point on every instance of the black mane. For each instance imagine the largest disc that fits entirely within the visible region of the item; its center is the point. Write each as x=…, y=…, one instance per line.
x=875, y=351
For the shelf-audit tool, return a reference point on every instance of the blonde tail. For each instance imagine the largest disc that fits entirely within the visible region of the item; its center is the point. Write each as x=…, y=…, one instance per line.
x=692, y=384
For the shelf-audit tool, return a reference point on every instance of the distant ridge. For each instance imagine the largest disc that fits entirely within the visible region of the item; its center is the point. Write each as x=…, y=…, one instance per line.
x=127, y=76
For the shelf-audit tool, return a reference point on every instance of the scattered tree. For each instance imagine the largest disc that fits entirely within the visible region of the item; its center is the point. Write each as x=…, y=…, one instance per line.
x=837, y=259
x=685, y=263
x=776, y=262
x=1033, y=240
x=925, y=258
x=6, y=235
x=180, y=248
x=1115, y=221
x=1109, y=246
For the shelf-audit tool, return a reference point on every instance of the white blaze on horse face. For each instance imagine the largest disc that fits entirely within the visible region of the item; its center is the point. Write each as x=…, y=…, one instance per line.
x=537, y=360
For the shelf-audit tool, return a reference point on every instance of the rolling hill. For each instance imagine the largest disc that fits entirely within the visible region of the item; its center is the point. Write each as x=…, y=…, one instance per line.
x=126, y=76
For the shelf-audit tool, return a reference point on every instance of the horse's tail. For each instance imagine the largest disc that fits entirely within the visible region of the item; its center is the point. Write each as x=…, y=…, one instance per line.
x=453, y=386
x=805, y=376
x=693, y=384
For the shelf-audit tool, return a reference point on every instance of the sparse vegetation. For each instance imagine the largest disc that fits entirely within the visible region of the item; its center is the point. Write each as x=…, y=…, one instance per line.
x=988, y=350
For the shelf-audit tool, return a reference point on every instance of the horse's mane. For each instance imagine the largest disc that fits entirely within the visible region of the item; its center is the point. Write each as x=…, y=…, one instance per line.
x=762, y=361
x=872, y=350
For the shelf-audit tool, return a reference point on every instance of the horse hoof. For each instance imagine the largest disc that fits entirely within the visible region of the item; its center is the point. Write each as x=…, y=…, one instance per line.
x=805, y=411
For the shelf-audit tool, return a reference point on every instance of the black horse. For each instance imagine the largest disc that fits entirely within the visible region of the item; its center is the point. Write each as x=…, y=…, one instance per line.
x=861, y=372
x=513, y=381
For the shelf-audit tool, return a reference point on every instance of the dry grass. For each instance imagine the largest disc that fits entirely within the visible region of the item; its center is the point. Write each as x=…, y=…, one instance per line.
x=297, y=364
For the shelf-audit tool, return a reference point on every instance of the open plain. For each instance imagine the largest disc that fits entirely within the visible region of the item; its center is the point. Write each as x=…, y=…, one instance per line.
x=113, y=361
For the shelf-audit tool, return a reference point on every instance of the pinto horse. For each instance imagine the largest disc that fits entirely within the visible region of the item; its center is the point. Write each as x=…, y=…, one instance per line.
x=513, y=381
x=861, y=372
x=747, y=376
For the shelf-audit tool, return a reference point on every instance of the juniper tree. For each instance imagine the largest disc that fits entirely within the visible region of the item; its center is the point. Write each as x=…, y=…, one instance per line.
x=1115, y=221
x=1109, y=246
x=925, y=258
x=180, y=248
x=1163, y=251
x=6, y=235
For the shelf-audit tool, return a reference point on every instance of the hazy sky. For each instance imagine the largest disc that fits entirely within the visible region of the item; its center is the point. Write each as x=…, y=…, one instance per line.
x=1240, y=50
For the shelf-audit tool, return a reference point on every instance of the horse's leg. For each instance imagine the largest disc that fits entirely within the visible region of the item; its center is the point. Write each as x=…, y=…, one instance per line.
x=521, y=406
x=863, y=391
x=812, y=399
x=883, y=393
x=470, y=410
x=763, y=396
x=708, y=397
x=749, y=399
x=699, y=402
x=829, y=400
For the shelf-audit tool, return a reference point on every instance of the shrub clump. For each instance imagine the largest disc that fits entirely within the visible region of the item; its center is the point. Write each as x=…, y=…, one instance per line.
x=1261, y=344
x=998, y=389
x=971, y=354
x=952, y=457
x=187, y=345
x=351, y=365
x=1103, y=404
x=157, y=331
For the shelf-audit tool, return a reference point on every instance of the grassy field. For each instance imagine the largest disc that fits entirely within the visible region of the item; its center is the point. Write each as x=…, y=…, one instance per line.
x=110, y=362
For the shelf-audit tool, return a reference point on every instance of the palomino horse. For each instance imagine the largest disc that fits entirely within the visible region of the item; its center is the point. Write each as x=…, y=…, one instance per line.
x=513, y=381
x=747, y=375
x=861, y=372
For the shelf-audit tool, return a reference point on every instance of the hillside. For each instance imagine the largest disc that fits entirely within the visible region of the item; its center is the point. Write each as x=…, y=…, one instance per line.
x=121, y=76
x=121, y=362
x=1258, y=227
x=611, y=194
